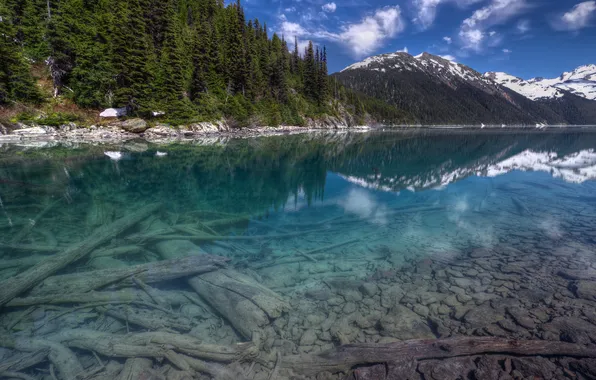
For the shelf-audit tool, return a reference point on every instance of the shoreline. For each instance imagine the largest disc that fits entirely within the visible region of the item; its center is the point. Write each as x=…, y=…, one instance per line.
x=164, y=134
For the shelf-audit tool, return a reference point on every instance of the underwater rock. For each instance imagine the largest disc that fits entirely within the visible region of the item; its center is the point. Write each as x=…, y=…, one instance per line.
x=521, y=317
x=369, y=289
x=374, y=372
x=402, y=323
x=572, y=329
x=391, y=297
x=308, y=338
x=482, y=316
x=318, y=294
x=537, y=366
x=457, y=368
x=584, y=289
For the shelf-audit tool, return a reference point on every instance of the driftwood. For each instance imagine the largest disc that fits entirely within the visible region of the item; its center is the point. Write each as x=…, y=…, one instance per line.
x=345, y=357
x=23, y=361
x=204, y=236
x=132, y=296
x=153, y=345
x=307, y=255
x=227, y=221
x=148, y=273
x=246, y=304
x=12, y=287
x=29, y=226
x=30, y=247
x=147, y=320
x=135, y=369
x=59, y=355
x=15, y=375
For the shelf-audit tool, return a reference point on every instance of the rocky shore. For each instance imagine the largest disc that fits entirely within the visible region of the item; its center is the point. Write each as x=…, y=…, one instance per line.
x=138, y=128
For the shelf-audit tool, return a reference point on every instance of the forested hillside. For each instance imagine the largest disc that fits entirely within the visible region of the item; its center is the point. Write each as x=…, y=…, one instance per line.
x=193, y=60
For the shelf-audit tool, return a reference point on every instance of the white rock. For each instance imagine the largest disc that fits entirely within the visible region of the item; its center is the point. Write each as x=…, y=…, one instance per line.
x=161, y=154
x=113, y=112
x=116, y=156
x=30, y=131
x=158, y=113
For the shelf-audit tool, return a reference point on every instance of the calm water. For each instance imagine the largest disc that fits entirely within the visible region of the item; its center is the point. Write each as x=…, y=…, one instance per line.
x=331, y=239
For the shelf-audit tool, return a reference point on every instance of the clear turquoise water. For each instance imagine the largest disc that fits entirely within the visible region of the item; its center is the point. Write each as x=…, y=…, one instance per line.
x=405, y=209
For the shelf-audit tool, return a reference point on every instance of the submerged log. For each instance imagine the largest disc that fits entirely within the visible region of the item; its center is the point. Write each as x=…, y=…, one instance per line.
x=247, y=305
x=12, y=287
x=152, y=345
x=148, y=273
x=123, y=296
x=23, y=361
x=204, y=236
x=135, y=369
x=61, y=357
x=345, y=357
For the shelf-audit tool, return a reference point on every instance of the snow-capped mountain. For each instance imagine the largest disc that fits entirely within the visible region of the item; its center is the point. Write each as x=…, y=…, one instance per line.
x=435, y=90
x=447, y=71
x=580, y=82
x=530, y=89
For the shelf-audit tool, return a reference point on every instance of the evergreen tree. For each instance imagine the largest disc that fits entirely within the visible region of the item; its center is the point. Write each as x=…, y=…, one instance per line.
x=130, y=53
x=310, y=72
x=16, y=82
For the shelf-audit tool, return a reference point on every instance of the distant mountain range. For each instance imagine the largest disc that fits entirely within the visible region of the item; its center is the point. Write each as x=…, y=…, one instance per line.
x=435, y=90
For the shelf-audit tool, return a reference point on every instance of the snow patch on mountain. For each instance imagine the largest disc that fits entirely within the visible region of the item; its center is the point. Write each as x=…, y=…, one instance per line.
x=531, y=90
x=580, y=82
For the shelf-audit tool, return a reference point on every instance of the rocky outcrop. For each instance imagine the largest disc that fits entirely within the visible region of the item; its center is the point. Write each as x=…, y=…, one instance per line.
x=135, y=125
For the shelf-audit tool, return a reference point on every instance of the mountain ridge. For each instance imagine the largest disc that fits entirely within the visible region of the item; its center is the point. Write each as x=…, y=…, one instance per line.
x=437, y=90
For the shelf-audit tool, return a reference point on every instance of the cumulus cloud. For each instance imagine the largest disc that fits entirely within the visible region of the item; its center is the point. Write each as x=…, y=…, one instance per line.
x=362, y=37
x=472, y=32
x=507, y=51
x=369, y=34
x=426, y=10
x=329, y=7
x=290, y=10
x=577, y=18
x=448, y=40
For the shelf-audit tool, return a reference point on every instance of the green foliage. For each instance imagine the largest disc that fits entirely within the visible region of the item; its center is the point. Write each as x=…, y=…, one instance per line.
x=195, y=60
x=16, y=82
x=54, y=119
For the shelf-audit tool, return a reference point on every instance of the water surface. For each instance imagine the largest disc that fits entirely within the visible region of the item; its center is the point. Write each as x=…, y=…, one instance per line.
x=366, y=237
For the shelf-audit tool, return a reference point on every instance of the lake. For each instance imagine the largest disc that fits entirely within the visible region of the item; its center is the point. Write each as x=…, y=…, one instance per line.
x=248, y=258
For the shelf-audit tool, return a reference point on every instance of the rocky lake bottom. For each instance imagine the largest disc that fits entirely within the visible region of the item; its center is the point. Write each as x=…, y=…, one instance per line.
x=322, y=256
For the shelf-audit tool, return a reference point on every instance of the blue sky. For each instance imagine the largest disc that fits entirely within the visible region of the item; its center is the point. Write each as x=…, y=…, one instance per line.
x=527, y=38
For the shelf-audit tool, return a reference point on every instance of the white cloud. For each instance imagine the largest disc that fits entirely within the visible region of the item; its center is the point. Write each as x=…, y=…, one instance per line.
x=291, y=29
x=404, y=50
x=448, y=40
x=329, y=7
x=472, y=32
x=523, y=26
x=362, y=37
x=507, y=51
x=577, y=18
x=448, y=57
x=426, y=10
x=370, y=33
x=290, y=10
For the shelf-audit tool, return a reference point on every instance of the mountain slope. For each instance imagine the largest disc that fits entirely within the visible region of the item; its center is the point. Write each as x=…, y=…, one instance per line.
x=580, y=82
x=439, y=91
x=571, y=95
